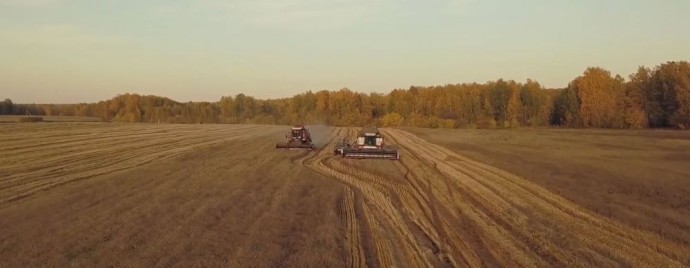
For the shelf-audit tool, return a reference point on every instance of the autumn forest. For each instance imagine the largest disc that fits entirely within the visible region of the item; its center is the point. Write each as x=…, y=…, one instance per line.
x=656, y=97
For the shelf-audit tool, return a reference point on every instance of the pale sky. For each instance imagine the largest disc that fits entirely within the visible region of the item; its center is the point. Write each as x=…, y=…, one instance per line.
x=68, y=51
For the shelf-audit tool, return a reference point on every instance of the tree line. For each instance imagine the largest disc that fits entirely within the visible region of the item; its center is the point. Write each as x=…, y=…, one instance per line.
x=658, y=98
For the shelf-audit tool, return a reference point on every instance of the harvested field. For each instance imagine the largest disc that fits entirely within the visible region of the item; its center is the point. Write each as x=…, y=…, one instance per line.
x=640, y=178
x=217, y=195
x=162, y=195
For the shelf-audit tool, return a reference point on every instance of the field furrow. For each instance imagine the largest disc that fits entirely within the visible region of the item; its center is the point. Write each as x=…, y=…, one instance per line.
x=529, y=222
x=98, y=194
x=37, y=168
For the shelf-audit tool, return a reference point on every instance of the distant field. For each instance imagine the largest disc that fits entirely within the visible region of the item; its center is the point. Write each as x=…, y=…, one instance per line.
x=110, y=194
x=18, y=118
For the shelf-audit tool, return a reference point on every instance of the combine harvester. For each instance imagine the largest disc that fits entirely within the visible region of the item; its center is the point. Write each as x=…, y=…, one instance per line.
x=297, y=139
x=369, y=144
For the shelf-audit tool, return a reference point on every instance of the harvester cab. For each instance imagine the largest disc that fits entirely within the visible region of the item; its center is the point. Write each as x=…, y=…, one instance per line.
x=297, y=138
x=296, y=134
x=369, y=144
x=370, y=140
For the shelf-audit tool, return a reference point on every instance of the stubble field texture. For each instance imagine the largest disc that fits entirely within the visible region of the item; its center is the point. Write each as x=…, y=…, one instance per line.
x=104, y=194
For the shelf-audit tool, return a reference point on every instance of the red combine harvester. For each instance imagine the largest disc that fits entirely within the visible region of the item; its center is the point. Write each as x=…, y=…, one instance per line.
x=298, y=138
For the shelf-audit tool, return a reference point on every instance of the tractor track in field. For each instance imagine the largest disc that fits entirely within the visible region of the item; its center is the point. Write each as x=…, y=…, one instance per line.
x=528, y=225
x=229, y=196
x=437, y=208
x=370, y=205
x=348, y=208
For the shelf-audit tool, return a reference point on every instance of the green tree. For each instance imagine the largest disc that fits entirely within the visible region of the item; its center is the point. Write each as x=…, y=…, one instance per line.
x=7, y=107
x=668, y=95
x=634, y=103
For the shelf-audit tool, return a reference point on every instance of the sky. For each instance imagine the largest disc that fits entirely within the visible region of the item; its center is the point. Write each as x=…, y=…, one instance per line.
x=70, y=51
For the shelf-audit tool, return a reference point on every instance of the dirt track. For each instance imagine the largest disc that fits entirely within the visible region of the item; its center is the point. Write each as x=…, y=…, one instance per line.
x=157, y=195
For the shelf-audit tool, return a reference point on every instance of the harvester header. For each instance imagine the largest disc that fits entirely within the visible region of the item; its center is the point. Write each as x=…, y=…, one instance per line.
x=369, y=144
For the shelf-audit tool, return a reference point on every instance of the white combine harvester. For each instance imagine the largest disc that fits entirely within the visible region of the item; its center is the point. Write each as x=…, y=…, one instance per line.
x=369, y=144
